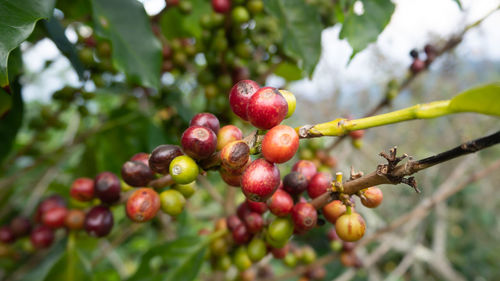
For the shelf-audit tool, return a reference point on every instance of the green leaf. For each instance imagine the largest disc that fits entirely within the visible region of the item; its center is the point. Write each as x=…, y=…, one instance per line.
x=175, y=24
x=18, y=19
x=361, y=30
x=136, y=51
x=182, y=258
x=301, y=29
x=459, y=4
x=290, y=72
x=49, y=260
x=5, y=102
x=12, y=121
x=483, y=99
x=69, y=267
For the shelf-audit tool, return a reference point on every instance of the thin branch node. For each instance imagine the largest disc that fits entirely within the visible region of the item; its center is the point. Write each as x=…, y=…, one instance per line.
x=411, y=182
x=355, y=175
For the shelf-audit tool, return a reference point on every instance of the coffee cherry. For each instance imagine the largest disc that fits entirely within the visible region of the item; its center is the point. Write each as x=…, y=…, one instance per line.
x=54, y=218
x=185, y=6
x=221, y=6
x=82, y=189
x=304, y=216
x=295, y=183
x=224, y=263
x=372, y=197
x=240, y=15
x=240, y=96
x=256, y=249
x=241, y=235
x=47, y=204
x=42, y=237
x=187, y=190
x=143, y=205
x=260, y=179
x=305, y=167
x=280, y=144
x=99, y=221
x=218, y=247
x=280, y=253
x=348, y=246
x=107, y=187
x=20, y=226
x=241, y=259
x=417, y=66
x=172, y=202
x=254, y=222
x=350, y=226
x=75, y=219
x=414, y=53
x=281, y=203
x=235, y=155
x=319, y=184
x=308, y=255
x=280, y=230
x=228, y=134
x=141, y=157
x=233, y=222
x=289, y=97
x=231, y=177
x=333, y=210
x=349, y=259
x=7, y=235
x=136, y=173
x=183, y=169
x=207, y=120
x=255, y=6
x=243, y=210
x=162, y=155
x=316, y=273
x=356, y=135
x=257, y=207
x=199, y=142
x=266, y=108
x=290, y=260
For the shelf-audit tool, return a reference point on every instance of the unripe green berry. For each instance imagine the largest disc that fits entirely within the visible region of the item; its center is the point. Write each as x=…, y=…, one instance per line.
x=240, y=15
x=187, y=190
x=256, y=249
x=290, y=260
x=172, y=202
x=241, y=259
x=290, y=99
x=183, y=169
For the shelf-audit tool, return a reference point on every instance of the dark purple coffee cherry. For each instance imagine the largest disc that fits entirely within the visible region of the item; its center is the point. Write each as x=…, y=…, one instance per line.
x=99, y=221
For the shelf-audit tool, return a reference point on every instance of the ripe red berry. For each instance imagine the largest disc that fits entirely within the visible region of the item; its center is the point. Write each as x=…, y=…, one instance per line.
x=42, y=237
x=233, y=221
x=280, y=144
x=349, y=259
x=231, y=177
x=141, y=157
x=136, y=173
x=243, y=210
x=20, y=226
x=332, y=235
x=295, y=183
x=235, y=154
x=281, y=203
x=98, y=221
x=47, y=204
x=207, y=120
x=267, y=108
x=198, y=142
x=319, y=184
x=260, y=179
x=304, y=216
x=82, y=189
x=417, y=66
x=54, y=218
x=241, y=235
x=240, y=95
x=254, y=222
x=221, y=6
x=75, y=219
x=143, y=205
x=7, y=235
x=350, y=227
x=356, y=135
x=305, y=167
x=162, y=155
x=333, y=210
x=372, y=197
x=107, y=187
x=280, y=253
x=258, y=207
x=228, y=134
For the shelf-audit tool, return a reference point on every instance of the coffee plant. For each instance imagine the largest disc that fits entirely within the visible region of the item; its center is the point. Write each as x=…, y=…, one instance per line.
x=174, y=156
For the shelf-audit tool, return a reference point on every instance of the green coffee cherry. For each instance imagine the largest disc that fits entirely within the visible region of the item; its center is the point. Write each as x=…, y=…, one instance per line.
x=256, y=249
x=240, y=15
x=183, y=169
x=241, y=259
x=290, y=260
x=187, y=190
x=224, y=263
x=172, y=202
x=290, y=99
x=281, y=229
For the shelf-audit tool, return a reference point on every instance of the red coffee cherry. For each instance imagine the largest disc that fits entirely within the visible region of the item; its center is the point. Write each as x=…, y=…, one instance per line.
x=162, y=155
x=280, y=253
x=198, y=142
x=304, y=216
x=417, y=66
x=350, y=226
x=20, y=226
x=295, y=183
x=258, y=207
x=333, y=210
x=107, y=187
x=228, y=134
x=233, y=222
x=47, y=204
x=356, y=135
x=232, y=177
x=372, y=197
x=75, y=219
x=348, y=246
x=349, y=259
x=260, y=179
x=235, y=154
x=143, y=205
x=332, y=235
x=207, y=120
x=243, y=210
x=305, y=167
x=42, y=237
x=240, y=95
x=54, y=218
x=280, y=144
x=281, y=203
x=136, y=173
x=221, y=6
x=241, y=235
x=319, y=184
x=254, y=222
x=141, y=157
x=98, y=221
x=7, y=235
x=82, y=189
x=267, y=108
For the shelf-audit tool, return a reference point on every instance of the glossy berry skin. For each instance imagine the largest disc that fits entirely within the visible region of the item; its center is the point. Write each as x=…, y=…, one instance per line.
x=319, y=184
x=172, y=202
x=231, y=177
x=240, y=95
x=243, y=210
x=20, y=226
x=290, y=100
x=141, y=157
x=281, y=203
x=47, y=204
x=241, y=259
x=372, y=197
x=107, y=187
x=280, y=144
x=187, y=190
x=221, y=6
x=136, y=173
x=279, y=231
x=280, y=253
x=54, y=218
x=99, y=221
x=42, y=237
x=254, y=222
x=235, y=154
x=350, y=227
x=207, y=120
x=260, y=179
x=356, y=135
x=295, y=183
x=228, y=134
x=304, y=216
x=305, y=167
x=267, y=108
x=257, y=207
x=183, y=169
x=333, y=210
x=256, y=249
x=82, y=189
x=7, y=235
x=162, y=156
x=75, y=219
x=233, y=222
x=198, y=142
x=241, y=235
x=143, y=205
